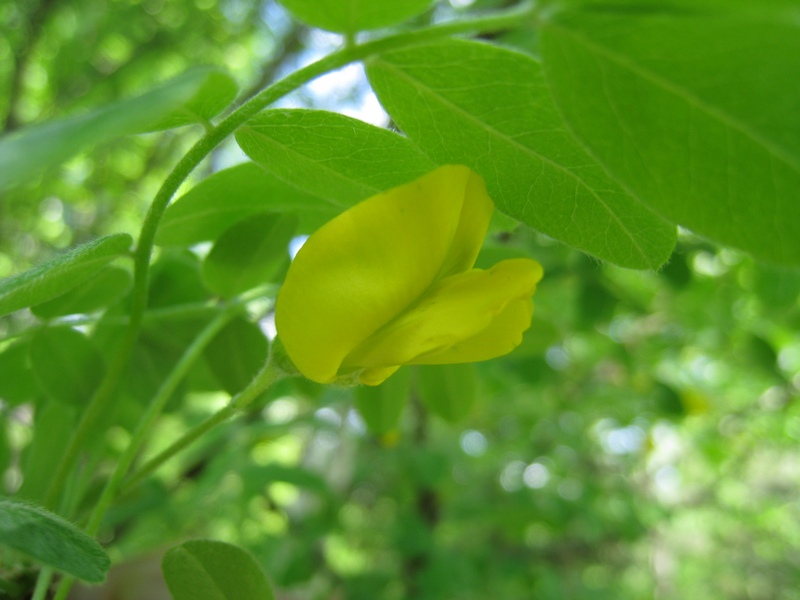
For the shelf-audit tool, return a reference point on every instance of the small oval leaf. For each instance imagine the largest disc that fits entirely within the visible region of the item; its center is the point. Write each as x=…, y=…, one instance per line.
x=61, y=274
x=66, y=364
x=237, y=353
x=53, y=423
x=448, y=390
x=17, y=383
x=107, y=287
x=249, y=254
x=52, y=541
x=211, y=570
x=331, y=156
x=381, y=406
x=228, y=196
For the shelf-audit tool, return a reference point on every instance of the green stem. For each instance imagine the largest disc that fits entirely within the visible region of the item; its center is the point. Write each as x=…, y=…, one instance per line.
x=514, y=17
x=42, y=584
x=164, y=393
x=269, y=374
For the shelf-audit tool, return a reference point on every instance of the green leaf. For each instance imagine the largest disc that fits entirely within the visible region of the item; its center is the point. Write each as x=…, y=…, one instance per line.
x=448, y=391
x=190, y=97
x=228, y=196
x=5, y=447
x=237, y=353
x=104, y=289
x=350, y=16
x=536, y=340
x=17, y=383
x=216, y=92
x=381, y=406
x=777, y=287
x=692, y=111
x=66, y=364
x=52, y=541
x=255, y=477
x=250, y=253
x=331, y=156
x=61, y=274
x=53, y=426
x=489, y=108
x=211, y=570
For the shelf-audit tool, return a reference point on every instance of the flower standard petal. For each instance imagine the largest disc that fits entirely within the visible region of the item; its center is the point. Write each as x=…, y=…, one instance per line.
x=369, y=264
x=469, y=316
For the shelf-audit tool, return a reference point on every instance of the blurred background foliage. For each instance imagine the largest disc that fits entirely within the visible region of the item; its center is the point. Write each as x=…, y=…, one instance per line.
x=641, y=443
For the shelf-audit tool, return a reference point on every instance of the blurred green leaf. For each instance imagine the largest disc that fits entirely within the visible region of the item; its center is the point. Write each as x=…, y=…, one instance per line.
x=210, y=570
x=490, y=109
x=777, y=287
x=337, y=158
x=17, y=383
x=537, y=339
x=53, y=423
x=61, y=274
x=192, y=96
x=237, y=353
x=595, y=303
x=217, y=90
x=250, y=253
x=381, y=406
x=5, y=447
x=100, y=291
x=228, y=196
x=350, y=16
x=448, y=391
x=690, y=110
x=255, y=477
x=67, y=365
x=52, y=541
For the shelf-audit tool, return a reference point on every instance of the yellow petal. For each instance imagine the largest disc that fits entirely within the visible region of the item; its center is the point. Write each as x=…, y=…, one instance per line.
x=500, y=337
x=369, y=264
x=470, y=316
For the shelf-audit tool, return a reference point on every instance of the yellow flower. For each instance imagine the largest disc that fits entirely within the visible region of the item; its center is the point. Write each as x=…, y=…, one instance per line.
x=390, y=282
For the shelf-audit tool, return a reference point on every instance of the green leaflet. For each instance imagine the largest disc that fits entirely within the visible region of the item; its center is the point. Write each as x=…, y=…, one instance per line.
x=236, y=354
x=351, y=16
x=249, y=254
x=52, y=541
x=694, y=112
x=337, y=158
x=448, y=391
x=210, y=570
x=17, y=383
x=61, y=274
x=67, y=365
x=381, y=406
x=54, y=423
x=192, y=97
x=489, y=108
x=108, y=286
x=229, y=196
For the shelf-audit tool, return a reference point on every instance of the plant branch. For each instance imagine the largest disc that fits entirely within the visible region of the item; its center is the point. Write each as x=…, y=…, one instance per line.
x=164, y=393
x=269, y=374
